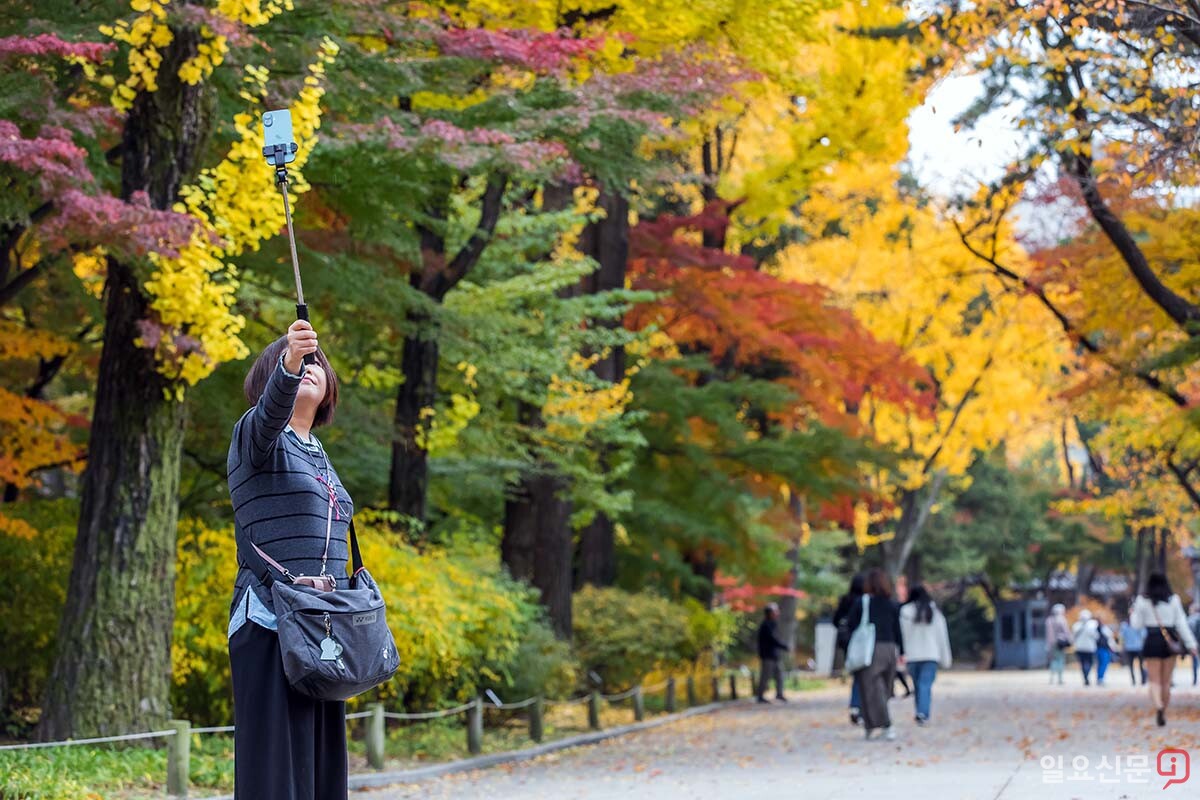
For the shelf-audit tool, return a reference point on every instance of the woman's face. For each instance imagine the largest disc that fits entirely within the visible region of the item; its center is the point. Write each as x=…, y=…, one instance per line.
x=313, y=386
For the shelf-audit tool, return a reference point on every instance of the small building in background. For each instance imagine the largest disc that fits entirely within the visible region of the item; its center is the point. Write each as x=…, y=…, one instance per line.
x=1020, y=634
x=1019, y=630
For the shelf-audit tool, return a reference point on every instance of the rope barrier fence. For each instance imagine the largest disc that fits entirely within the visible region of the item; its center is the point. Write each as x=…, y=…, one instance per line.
x=179, y=735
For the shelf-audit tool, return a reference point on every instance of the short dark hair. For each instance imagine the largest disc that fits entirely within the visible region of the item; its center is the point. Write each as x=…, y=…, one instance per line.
x=878, y=584
x=268, y=361
x=1158, y=588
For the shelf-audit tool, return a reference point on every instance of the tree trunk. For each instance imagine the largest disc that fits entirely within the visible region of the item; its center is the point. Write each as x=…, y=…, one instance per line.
x=788, y=604
x=537, y=542
x=1141, y=562
x=409, y=478
x=915, y=506
x=607, y=241
x=1160, y=558
x=408, y=481
x=704, y=566
x=112, y=671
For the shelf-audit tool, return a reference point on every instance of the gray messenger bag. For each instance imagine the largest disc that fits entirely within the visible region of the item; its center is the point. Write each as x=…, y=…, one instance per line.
x=335, y=643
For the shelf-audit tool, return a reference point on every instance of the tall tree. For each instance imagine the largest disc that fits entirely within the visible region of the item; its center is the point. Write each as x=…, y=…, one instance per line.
x=166, y=324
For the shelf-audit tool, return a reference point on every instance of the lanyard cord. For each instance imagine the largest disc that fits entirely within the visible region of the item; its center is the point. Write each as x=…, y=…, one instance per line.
x=325, y=478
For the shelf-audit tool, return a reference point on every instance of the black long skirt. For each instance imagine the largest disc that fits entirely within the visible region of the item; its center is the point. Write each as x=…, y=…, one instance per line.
x=286, y=746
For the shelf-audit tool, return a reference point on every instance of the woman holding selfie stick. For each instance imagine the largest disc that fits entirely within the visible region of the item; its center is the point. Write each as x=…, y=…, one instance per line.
x=291, y=515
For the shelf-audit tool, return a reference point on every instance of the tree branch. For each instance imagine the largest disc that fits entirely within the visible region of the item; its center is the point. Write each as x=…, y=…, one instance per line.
x=1080, y=167
x=444, y=280
x=1067, y=325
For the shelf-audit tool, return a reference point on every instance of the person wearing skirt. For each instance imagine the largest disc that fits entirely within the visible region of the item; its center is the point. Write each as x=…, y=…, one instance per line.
x=1160, y=612
x=290, y=505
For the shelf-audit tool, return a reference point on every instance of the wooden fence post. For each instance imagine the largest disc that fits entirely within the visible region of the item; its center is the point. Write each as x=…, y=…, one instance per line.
x=536, y=711
x=475, y=727
x=639, y=705
x=179, y=751
x=669, y=705
x=375, y=736
x=691, y=690
x=594, y=711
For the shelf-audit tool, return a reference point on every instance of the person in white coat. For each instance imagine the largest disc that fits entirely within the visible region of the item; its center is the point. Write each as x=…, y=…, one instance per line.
x=1168, y=636
x=929, y=647
x=1085, y=636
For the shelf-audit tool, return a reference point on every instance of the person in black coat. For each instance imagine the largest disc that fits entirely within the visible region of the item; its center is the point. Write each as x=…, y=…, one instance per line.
x=875, y=680
x=841, y=620
x=769, y=648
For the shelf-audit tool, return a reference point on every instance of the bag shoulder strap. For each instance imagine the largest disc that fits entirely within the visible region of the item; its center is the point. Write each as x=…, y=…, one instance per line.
x=267, y=563
x=355, y=554
x=1161, y=629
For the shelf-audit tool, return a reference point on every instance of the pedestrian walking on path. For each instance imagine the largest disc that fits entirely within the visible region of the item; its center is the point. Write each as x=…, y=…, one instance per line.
x=1058, y=640
x=1106, y=646
x=877, y=677
x=926, y=646
x=1194, y=624
x=1085, y=637
x=288, y=503
x=1160, y=612
x=1132, y=641
x=841, y=620
x=769, y=648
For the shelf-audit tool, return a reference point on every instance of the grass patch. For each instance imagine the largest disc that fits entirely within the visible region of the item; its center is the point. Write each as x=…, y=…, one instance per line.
x=110, y=772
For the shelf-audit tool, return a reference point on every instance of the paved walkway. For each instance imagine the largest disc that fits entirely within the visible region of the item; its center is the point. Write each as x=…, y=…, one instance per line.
x=990, y=735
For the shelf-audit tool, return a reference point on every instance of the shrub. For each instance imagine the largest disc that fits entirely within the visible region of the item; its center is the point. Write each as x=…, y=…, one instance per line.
x=624, y=636
x=459, y=622
x=36, y=571
x=543, y=665
x=205, y=566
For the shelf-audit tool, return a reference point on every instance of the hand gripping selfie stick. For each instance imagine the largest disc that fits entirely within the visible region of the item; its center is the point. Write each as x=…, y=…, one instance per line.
x=280, y=150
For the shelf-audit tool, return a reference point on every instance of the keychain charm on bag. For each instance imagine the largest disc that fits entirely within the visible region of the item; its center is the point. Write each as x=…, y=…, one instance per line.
x=331, y=650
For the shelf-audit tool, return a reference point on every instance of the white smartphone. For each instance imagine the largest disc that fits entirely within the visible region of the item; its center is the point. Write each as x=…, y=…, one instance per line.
x=279, y=145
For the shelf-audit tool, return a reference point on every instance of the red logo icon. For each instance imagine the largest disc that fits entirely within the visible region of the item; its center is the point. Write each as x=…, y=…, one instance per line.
x=1172, y=763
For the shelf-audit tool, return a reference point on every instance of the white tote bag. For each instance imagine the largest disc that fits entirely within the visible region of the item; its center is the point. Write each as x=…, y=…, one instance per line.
x=861, y=650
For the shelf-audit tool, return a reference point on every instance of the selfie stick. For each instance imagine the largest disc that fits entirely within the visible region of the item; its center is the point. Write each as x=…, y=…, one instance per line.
x=276, y=155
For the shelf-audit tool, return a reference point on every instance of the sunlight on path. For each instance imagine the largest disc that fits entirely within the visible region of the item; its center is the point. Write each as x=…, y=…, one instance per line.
x=988, y=734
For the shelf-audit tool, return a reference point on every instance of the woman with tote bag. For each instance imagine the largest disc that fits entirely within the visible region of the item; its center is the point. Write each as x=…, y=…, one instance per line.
x=876, y=621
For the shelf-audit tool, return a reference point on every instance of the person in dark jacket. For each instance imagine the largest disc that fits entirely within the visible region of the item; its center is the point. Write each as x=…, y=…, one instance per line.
x=876, y=678
x=769, y=648
x=841, y=620
x=289, y=503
